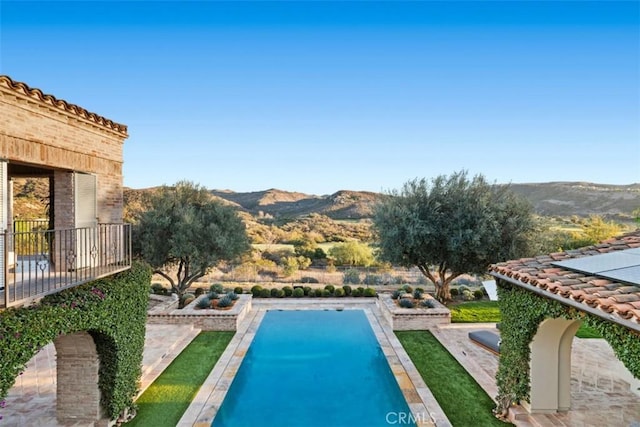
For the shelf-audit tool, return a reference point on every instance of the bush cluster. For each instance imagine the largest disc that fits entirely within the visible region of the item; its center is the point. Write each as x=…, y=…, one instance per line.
x=299, y=292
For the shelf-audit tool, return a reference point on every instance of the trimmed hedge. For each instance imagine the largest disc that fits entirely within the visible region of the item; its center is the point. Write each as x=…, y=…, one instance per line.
x=113, y=310
x=522, y=312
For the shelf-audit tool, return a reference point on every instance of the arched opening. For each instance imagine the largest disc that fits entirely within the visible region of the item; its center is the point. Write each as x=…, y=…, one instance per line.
x=78, y=367
x=550, y=366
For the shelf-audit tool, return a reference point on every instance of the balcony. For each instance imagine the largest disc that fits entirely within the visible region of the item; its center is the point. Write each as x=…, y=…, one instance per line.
x=39, y=262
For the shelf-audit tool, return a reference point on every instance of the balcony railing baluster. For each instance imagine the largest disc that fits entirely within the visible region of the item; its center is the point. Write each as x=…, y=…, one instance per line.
x=42, y=262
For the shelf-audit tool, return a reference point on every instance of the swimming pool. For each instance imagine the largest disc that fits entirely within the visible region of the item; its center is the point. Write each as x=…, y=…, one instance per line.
x=313, y=368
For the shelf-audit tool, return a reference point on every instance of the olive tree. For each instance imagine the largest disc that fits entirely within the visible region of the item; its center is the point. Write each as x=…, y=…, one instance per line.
x=451, y=226
x=185, y=232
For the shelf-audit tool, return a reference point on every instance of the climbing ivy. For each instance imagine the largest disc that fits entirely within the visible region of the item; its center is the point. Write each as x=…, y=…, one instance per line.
x=112, y=310
x=522, y=312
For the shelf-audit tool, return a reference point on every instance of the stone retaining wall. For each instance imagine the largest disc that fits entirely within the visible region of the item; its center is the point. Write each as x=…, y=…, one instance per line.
x=204, y=319
x=412, y=319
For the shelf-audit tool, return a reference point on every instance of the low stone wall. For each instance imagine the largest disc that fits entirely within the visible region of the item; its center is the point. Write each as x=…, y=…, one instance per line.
x=412, y=319
x=204, y=319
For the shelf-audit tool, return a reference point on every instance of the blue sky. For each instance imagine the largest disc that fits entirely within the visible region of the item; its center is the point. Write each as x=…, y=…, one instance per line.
x=317, y=96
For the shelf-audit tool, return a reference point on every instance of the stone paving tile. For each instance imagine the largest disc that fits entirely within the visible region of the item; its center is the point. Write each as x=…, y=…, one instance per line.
x=599, y=397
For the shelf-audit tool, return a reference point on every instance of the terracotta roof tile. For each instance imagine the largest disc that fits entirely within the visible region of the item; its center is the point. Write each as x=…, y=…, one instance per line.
x=51, y=100
x=613, y=299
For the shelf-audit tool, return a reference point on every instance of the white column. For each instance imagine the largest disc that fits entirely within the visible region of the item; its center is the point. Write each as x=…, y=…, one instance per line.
x=4, y=207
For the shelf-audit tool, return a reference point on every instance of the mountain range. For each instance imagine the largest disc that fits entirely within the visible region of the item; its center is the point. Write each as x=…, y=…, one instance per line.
x=549, y=199
x=561, y=199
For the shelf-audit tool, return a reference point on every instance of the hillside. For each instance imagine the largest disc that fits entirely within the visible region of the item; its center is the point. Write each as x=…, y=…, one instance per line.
x=548, y=199
x=283, y=204
x=561, y=199
x=582, y=199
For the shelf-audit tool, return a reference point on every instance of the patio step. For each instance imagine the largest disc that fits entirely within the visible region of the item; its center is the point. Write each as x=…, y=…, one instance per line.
x=522, y=418
x=163, y=343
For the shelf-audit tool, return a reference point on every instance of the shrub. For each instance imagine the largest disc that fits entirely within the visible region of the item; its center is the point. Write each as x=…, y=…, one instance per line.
x=264, y=293
x=422, y=280
x=216, y=287
x=454, y=292
x=419, y=289
x=462, y=288
x=417, y=293
x=198, y=292
x=318, y=292
x=274, y=292
x=187, y=299
x=203, y=302
x=339, y=292
x=467, y=295
x=397, y=294
x=308, y=279
x=429, y=303
x=158, y=289
x=356, y=293
x=330, y=288
x=351, y=276
x=406, y=303
x=232, y=296
x=225, y=301
x=238, y=290
x=361, y=290
x=478, y=294
x=347, y=290
x=369, y=292
x=372, y=280
x=307, y=290
x=408, y=289
x=256, y=291
x=326, y=293
x=288, y=291
x=279, y=293
x=212, y=295
x=298, y=292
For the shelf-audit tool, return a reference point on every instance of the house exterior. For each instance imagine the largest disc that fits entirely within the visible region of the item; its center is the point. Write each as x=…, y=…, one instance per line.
x=81, y=154
x=545, y=299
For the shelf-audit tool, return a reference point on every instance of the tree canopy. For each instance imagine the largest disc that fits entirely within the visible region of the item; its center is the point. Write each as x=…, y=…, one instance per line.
x=352, y=254
x=187, y=232
x=451, y=226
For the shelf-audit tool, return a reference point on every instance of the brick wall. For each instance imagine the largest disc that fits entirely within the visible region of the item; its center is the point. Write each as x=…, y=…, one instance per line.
x=78, y=395
x=34, y=132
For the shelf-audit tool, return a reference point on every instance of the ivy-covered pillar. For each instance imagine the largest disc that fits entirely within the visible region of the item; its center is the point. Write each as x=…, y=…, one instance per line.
x=550, y=366
x=522, y=313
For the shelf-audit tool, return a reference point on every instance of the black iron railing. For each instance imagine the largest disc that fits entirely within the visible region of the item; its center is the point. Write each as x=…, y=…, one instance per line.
x=41, y=262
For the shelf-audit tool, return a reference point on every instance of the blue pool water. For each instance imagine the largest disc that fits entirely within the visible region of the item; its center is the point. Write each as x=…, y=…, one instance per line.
x=313, y=368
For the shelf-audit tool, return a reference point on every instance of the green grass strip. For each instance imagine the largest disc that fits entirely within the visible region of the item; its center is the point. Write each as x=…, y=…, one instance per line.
x=166, y=400
x=475, y=311
x=461, y=398
x=488, y=312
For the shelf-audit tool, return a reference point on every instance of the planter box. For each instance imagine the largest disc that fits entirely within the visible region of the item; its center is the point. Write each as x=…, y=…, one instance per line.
x=205, y=319
x=412, y=319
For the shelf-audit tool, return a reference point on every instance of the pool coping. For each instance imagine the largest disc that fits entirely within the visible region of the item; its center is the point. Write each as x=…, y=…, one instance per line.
x=425, y=409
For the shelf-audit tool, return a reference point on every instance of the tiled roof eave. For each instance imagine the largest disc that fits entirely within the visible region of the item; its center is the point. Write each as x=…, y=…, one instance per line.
x=594, y=310
x=39, y=96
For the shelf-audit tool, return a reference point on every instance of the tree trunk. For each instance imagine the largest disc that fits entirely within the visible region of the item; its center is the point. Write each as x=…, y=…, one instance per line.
x=443, y=293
